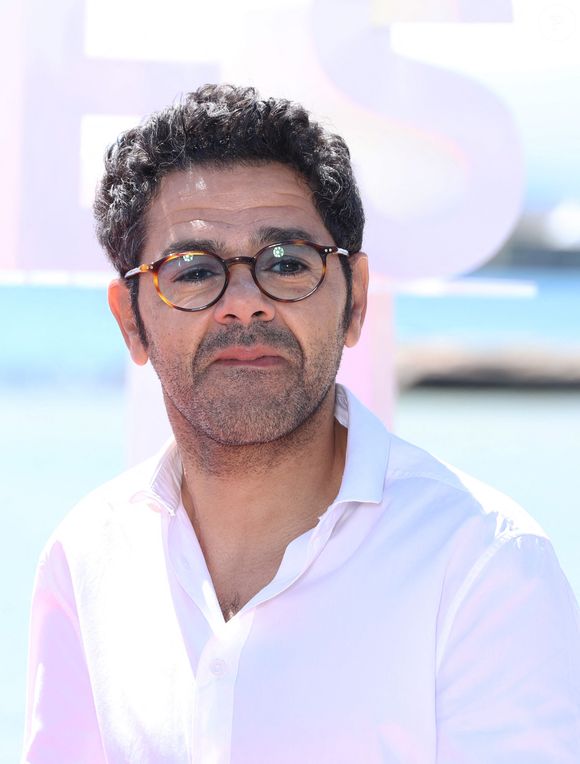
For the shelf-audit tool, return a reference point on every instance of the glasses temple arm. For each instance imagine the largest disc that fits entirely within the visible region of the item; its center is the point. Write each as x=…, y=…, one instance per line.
x=139, y=269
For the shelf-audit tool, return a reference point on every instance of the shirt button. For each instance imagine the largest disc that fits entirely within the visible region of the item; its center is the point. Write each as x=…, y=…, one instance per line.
x=218, y=667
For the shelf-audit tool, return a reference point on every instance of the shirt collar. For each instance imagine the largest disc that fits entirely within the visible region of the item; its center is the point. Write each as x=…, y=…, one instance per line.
x=367, y=450
x=367, y=455
x=163, y=482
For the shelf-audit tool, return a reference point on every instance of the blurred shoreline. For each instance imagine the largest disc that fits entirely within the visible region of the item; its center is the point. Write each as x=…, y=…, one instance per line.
x=442, y=363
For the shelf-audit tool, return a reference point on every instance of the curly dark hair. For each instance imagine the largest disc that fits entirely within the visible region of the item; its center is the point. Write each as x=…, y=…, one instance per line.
x=221, y=125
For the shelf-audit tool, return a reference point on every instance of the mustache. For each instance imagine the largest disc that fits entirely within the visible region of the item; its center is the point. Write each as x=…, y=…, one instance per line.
x=257, y=334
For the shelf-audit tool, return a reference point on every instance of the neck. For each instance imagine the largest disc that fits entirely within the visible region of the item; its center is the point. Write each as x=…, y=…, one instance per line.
x=281, y=486
x=247, y=503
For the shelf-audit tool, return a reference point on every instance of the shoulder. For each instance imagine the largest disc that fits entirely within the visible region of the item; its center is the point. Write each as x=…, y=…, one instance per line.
x=421, y=496
x=110, y=516
x=480, y=542
x=440, y=492
x=484, y=552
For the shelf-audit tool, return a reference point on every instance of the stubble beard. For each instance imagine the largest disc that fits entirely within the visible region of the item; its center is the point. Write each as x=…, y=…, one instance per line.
x=242, y=406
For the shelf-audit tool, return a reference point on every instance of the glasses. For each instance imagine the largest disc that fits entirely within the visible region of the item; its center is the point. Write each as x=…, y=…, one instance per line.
x=288, y=271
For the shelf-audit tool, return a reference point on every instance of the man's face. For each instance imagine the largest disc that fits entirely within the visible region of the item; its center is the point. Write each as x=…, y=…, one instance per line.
x=248, y=369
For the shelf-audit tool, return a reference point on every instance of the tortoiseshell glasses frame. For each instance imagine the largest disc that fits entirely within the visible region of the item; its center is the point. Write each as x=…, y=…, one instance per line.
x=287, y=271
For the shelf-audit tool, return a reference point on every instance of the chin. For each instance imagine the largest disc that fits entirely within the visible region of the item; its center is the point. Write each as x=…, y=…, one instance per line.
x=253, y=420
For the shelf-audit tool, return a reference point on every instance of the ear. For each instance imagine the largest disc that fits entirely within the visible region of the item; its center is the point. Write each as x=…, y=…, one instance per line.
x=121, y=308
x=360, y=284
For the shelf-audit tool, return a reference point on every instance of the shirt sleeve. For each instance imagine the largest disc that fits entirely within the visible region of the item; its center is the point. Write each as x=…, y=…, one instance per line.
x=61, y=724
x=508, y=685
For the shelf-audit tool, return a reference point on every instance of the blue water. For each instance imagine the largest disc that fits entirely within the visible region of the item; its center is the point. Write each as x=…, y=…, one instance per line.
x=550, y=318
x=58, y=334
x=62, y=408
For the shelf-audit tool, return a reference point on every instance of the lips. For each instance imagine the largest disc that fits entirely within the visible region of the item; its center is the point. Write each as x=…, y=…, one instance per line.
x=255, y=355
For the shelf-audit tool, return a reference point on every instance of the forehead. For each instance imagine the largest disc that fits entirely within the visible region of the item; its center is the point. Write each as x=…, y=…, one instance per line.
x=230, y=205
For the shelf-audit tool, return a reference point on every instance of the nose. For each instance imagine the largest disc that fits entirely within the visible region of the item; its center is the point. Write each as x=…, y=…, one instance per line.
x=243, y=301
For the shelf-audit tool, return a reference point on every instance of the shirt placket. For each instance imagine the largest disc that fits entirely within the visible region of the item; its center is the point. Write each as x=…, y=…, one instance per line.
x=213, y=710
x=218, y=662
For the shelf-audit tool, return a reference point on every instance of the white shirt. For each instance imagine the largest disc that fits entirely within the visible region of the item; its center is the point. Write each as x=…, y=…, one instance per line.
x=424, y=620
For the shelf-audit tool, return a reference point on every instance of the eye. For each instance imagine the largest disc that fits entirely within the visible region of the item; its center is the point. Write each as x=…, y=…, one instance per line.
x=192, y=269
x=288, y=260
x=195, y=274
x=288, y=265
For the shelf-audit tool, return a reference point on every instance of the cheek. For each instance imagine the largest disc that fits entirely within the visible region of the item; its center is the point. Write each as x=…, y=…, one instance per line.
x=174, y=335
x=319, y=331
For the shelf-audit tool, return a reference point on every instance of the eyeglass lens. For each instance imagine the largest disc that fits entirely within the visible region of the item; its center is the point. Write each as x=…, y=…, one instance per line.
x=284, y=271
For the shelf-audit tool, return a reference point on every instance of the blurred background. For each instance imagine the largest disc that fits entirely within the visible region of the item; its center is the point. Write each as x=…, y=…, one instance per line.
x=464, y=123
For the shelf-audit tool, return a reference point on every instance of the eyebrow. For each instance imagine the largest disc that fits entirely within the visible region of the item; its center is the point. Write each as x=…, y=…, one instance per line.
x=191, y=245
x=263, y=236
x=274, y=234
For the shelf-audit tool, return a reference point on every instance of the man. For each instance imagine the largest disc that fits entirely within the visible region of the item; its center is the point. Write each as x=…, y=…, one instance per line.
x=287, y=581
